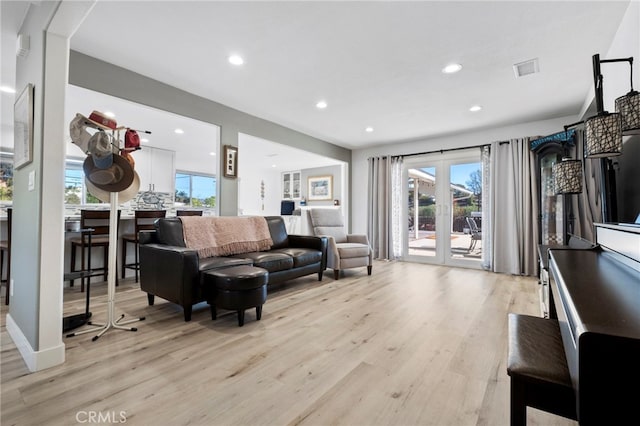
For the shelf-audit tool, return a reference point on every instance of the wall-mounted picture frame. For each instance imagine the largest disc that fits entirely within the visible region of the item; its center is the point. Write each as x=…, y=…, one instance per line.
x=320, y=188
x=230, y=156
x=23, y=128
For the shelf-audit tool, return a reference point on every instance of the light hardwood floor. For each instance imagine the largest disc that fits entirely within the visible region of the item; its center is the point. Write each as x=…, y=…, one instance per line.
x=410, y=345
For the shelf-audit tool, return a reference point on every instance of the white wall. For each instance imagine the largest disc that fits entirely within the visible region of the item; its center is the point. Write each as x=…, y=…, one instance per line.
x=249, y=202
x=615, y=76
x=336, y=193
x=479, y=137
x=24, y=309
x=616, y=83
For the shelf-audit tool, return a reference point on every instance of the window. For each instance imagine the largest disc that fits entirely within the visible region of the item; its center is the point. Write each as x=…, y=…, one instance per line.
x=6, y=178
x=195, y=190
x=75, y=192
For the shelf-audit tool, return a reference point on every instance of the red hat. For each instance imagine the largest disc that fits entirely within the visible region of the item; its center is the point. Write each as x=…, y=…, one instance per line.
x=102, y=120
x=131, y=140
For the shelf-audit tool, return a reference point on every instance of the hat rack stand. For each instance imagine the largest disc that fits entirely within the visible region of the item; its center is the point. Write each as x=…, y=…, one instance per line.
x=112, y=322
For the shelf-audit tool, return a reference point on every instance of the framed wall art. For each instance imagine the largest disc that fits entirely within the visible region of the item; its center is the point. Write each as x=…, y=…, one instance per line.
x=230, y=161
x=320, y=188
x=23, y=128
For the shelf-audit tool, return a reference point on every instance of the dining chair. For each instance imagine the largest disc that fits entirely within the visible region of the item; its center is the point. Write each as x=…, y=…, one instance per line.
x=99, y=221
x=188, y=212
x=144, y=220
x=5, y=248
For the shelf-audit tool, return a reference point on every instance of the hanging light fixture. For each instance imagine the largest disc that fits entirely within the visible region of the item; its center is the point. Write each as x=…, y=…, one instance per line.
x=629, y=108
x=567, y=174
x=603, y=130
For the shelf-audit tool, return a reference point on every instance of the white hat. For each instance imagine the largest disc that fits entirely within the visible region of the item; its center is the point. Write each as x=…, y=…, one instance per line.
x=78, y=132
x=123, y=196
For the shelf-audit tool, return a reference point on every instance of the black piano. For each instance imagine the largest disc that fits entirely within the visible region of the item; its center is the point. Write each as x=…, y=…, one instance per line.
x=596, y=295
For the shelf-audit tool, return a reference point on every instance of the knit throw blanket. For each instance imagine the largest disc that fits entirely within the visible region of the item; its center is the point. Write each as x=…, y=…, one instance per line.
x=222, y=236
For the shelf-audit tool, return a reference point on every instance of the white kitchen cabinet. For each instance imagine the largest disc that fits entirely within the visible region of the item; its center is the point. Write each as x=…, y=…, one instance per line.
x=156, y=168
x=291, y=185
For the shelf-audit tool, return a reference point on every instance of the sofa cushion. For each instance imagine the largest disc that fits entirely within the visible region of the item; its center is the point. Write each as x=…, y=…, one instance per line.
x=210, y=263
x=272, y=262
x=328, y=222
x=301, y=256
x=278, y=232
x=349, y=250
x=169, y=231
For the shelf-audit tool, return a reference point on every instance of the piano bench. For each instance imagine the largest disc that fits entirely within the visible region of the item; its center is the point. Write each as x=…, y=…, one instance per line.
x=538, y=369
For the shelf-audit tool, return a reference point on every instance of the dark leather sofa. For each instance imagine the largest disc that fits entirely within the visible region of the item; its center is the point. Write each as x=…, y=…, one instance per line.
x=173, y=272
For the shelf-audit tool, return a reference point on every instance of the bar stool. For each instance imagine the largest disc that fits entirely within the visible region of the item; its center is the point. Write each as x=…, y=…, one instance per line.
x=144, y=220
x=99, y=221
x=5, y=247
x=188, y=212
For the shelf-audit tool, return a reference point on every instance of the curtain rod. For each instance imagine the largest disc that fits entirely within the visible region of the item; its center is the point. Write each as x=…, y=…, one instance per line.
x=442, y=151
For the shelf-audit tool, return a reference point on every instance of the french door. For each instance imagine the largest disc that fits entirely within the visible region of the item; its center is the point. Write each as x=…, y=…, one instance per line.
x=443, y=209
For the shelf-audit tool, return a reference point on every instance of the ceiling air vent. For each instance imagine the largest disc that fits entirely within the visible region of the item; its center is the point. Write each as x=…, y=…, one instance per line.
x=526, y=68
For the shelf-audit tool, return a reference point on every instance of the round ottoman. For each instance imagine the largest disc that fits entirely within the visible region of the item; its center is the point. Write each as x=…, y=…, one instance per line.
x=236, y=288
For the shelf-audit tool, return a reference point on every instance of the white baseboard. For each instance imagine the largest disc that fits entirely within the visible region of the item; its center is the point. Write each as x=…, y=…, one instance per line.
x=35, y=360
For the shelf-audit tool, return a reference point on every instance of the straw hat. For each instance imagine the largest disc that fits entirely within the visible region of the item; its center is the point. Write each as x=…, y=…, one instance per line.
x=123, y=196
x=115, y=178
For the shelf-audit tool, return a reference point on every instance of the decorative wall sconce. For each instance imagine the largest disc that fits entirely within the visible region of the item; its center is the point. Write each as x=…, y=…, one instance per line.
x=604, y=130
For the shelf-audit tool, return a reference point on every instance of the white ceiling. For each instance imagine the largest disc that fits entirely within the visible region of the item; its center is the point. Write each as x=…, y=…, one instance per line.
x=375, y=63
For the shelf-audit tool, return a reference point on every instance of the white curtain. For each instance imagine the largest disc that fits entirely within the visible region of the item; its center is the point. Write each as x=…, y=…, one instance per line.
x=513, y=208
x=487, y=225
x=384, y=206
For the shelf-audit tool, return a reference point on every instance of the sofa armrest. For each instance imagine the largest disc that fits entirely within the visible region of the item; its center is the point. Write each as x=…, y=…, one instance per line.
x=311, y=242
x=358, y=238
x=333, y=257
x=361, y=239
x=148, y=237
x=307, y=241
x=170, y=272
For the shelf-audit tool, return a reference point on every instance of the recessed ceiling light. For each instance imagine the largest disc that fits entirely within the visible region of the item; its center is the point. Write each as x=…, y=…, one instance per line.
x=7, y=89
x=144, y=140
x=179, y=131
x=475, y=108
x=109, y=114
x=236, y=60
x=369, y=129
x=212, y=153
x=273, y=165
x=451, y=68
x=321, y=105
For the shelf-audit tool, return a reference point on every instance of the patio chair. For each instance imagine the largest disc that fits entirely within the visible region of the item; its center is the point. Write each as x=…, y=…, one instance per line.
x=476, y=233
